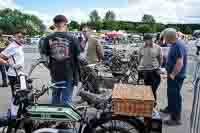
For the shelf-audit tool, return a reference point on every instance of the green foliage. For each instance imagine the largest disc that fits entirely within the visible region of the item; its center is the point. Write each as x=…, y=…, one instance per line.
x=175, y=26
x=124, y=26
x=98, y=25
x=94, y=16
x=13, y=20
x=148, y=19
x=187, y=30
x=74, y=25
x=110, y=25
x=159, y=27
x=110, y=16
x=144, y=28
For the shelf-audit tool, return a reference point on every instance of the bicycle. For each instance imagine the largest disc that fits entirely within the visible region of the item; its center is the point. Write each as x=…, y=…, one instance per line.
x=133, y=64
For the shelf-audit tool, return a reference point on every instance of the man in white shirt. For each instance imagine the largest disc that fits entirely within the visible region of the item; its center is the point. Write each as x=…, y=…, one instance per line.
x=14, y=56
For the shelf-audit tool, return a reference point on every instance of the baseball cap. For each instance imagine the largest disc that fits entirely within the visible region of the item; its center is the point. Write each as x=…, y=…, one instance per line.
x=169, y=32
x=148, y=37
x=59, y=19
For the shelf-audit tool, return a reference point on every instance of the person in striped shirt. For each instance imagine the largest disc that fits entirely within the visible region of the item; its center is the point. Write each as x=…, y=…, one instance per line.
x=150, y=60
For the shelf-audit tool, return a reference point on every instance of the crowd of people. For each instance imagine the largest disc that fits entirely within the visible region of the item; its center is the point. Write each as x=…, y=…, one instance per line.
x=63, y=53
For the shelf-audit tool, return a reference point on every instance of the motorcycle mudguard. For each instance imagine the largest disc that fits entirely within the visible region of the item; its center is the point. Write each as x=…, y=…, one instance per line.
x=47, y=112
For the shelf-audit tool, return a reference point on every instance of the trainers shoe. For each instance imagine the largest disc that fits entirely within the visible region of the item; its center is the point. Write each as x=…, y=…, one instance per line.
x=4, y=85
x=165, y=111
x=171, y=122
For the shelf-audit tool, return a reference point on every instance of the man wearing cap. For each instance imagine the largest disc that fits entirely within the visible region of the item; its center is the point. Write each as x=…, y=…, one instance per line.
x=63, y=51
x=150, y=59
x=176, y=70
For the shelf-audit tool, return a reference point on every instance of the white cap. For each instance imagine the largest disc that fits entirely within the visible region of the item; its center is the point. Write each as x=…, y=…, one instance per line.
x=169, y=32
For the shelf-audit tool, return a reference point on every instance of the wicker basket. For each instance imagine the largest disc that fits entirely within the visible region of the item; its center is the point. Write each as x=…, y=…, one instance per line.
x=132, y=100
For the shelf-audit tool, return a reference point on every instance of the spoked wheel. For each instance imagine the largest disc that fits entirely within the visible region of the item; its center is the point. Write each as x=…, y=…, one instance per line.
x=39, y=73
x=115, y=126
x=113, y=130
x=109, y=123
x=134, y=75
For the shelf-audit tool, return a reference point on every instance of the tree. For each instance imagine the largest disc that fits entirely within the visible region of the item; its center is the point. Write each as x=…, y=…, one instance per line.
x=98, y=25
x=74, y=25
x=110, y=16
x=159, y=27
x=94, y=16
x=123, y=26
x=144, y=28
x=188, y=30
x=175, y=26
x=111, y=25
x=148, y=19
x=12, y=20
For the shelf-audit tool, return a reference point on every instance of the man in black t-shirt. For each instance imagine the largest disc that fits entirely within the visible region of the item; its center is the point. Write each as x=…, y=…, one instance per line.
x=63, y=51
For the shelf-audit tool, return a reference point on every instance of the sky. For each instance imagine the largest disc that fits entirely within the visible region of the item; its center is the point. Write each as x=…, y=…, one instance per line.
x=164, y=11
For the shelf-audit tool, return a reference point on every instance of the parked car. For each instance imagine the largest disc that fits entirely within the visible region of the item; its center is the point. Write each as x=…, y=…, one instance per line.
x=34, y=40
x=196, y=34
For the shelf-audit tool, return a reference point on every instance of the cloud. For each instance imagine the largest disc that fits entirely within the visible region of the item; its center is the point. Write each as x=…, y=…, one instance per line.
x=164, y=11
x=47, y=20
x=7, y=4
x=76, y=14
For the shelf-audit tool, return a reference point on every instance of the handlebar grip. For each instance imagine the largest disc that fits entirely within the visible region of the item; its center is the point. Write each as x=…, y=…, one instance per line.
x=59, y=83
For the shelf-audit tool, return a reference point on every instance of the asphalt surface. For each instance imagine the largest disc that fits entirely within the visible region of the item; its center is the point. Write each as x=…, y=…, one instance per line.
x=43, y=78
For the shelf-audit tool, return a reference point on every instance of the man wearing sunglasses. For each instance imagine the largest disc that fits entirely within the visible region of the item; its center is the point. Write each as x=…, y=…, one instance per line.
x=14, y=55
x=63, y=51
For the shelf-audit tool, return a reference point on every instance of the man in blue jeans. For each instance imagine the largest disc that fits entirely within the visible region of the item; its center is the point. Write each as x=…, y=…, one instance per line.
x=63, y=51
x=176, y=70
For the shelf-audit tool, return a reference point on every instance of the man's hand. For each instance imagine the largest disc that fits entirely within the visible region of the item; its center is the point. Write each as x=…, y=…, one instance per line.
x=172, y=76
x=2, y=61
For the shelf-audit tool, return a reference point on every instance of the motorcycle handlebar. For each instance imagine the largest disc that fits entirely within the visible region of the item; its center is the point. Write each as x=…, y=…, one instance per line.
x=29, y=96
x=50, y=86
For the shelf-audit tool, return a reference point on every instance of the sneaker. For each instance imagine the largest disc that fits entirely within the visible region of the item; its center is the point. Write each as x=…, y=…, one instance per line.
x=171, y=122
x=4, y=85
x=165, y=111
